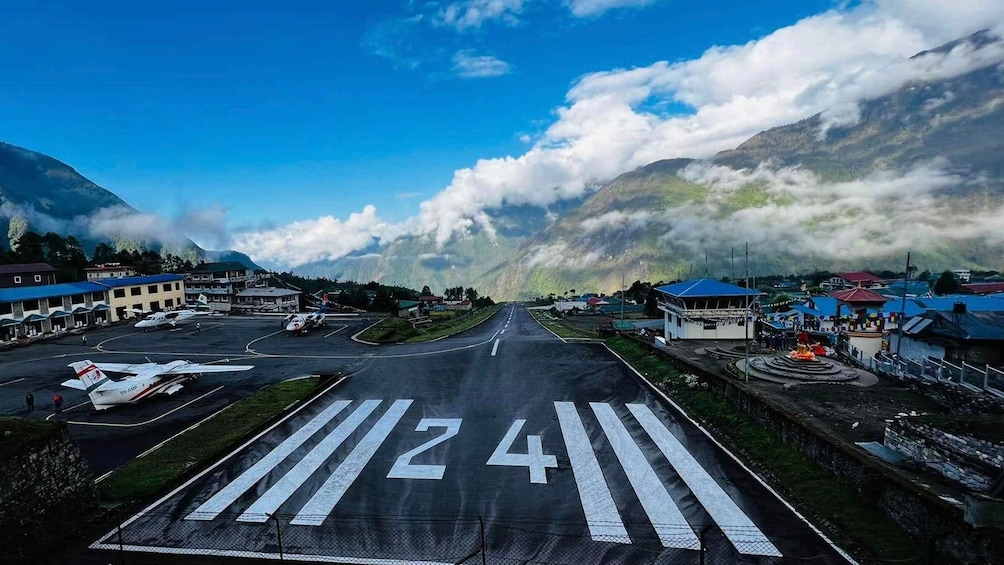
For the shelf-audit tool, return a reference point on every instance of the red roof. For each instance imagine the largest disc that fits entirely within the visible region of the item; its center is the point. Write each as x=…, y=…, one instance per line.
x=858, y=296
x=984, y=288
x=859, y=276
x=430, y=298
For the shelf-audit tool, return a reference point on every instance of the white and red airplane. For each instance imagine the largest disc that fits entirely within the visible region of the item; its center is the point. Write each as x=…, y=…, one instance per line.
x=144, y=380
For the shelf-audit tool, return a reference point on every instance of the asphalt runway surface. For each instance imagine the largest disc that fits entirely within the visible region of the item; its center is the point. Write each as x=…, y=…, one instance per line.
x=548, y=451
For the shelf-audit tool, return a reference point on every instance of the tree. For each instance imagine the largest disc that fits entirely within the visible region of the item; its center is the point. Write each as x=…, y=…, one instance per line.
x=426, y=291
x=16, y=229
x=946, y=284
x=104, y=253
x=471, y=294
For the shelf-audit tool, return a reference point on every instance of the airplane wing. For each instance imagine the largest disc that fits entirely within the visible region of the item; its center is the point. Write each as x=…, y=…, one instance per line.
x=138, y=311
x=127, y=368
x=196, y=368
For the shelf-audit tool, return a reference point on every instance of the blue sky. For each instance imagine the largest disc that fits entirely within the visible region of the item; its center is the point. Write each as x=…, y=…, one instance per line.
x=280, y=114
x=303, y=132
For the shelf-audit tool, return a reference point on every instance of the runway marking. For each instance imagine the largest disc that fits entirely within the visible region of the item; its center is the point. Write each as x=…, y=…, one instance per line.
x=105, y=476
x=324, y=500
x=403, y=467
x=269, y=502
x=736, y=525
x=137, y=424
x=495, y=348
x=12, y=382
x=665, y=516
x=243, y=483
x=247, y=348
x=534, y=458
x=336, y=331
x=601, y=513
x=74, y=407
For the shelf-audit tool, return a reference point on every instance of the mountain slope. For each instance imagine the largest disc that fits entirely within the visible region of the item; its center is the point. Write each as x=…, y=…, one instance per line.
x=920, y=170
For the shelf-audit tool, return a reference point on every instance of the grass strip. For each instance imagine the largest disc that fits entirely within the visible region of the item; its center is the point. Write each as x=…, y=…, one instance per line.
x=395, y=330
x=142, y=477
x=860, y=526
x=560, y=328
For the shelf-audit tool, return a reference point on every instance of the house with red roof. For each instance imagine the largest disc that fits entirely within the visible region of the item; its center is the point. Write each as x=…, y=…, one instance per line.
x=855, y=279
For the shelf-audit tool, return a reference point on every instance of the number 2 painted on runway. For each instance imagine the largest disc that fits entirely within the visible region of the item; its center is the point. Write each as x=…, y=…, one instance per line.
x=403, y=468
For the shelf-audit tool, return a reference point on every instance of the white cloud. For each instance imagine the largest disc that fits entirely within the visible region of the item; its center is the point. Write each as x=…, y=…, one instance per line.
x=325, y=238
x=468, y=65
x=584, y=8
x=472, y=13
x=561, y=256
x=610, y=123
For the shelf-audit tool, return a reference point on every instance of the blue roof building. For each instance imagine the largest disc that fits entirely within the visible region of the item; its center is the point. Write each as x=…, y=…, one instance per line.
x=706, y=309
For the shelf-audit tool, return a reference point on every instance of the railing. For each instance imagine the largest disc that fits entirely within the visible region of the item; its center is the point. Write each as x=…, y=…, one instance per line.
x=986, y=379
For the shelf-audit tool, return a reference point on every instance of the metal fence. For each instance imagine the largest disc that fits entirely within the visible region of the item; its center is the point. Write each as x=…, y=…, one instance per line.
x=979, y=379
x=389, y=541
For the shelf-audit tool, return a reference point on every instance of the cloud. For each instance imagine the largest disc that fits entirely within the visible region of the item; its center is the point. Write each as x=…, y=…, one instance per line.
x=398, y=41
x=325, y=238
x=468, y=65
x=614, y=121
x=207, y=226
x=470, y=14
x=586, y=8
x=791, y=210
x=407, y=195
x=562, y=256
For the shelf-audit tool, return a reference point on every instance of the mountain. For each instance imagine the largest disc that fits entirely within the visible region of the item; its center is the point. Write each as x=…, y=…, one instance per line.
x=919, y=170
x=42, y=194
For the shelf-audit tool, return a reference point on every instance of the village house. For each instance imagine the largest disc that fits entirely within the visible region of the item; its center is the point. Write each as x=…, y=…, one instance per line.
x=706, y=309
x=27, y=274
x=856, y=279
x=108, y=271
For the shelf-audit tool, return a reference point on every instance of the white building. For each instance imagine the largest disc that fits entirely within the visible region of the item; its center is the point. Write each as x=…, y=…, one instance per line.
x=962, y=275
x=109, y=271
x=706, y=309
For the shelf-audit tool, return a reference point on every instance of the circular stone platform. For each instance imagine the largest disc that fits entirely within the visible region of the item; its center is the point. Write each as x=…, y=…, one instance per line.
x=783, y=369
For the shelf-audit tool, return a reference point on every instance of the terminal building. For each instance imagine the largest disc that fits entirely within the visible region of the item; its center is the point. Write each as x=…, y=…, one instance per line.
x=263, y=299
x=221, y=283
x=108, y=271
x=37, y=311
x=706, y=309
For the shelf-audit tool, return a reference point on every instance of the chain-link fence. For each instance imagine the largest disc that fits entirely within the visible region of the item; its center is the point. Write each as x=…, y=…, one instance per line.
x=169, y=539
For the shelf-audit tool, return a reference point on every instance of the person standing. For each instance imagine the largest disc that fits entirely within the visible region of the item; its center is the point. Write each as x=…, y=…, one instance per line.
x=57, y=401
x=29, y=399
x=83, y=340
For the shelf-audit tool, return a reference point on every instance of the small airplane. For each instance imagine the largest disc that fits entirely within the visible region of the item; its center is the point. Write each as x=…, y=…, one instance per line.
x=300, y=324
x=172, y=317
x=144, y=380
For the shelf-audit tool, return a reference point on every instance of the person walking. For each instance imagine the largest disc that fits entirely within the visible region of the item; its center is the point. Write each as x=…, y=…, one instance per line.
x=57, y=401
x=198, y=327
x=29, y=399
x=83, y=340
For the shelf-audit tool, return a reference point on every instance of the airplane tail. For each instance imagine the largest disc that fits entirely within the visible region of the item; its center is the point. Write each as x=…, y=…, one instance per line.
x=89, y=374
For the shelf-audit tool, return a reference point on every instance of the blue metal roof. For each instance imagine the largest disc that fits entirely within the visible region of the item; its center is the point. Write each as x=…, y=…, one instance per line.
x=973, y=303
x=806, y=310
x=705, y=288
x=47, y=291
x=148, y=279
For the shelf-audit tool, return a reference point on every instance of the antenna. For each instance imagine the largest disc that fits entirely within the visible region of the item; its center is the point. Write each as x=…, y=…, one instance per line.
x=746, y=314
x=902, y=318
x=733, y=279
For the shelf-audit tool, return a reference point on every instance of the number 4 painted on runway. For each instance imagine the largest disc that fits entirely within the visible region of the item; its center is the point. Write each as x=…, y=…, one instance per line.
x=534, y=458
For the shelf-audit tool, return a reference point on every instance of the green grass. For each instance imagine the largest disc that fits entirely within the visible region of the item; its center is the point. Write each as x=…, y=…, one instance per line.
x=396, y=330
x=19, y=435
x=804, y=483
x=560, y=328
x=141, y=478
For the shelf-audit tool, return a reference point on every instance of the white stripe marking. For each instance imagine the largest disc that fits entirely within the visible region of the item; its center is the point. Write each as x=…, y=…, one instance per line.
x=243, y=483
x=736, y=525
x=495, y=348
x=666, y=518
x=601, y=513
x=12, y=382
x=325, y=499
x=269, y=502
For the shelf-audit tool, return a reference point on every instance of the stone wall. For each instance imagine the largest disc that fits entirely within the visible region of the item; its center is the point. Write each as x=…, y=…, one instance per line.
x=918, y=511
x=45, y=488
x=967, y=460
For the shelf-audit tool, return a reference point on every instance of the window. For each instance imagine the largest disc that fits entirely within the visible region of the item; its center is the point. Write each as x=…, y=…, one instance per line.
x=137, y=307
x=679, y=322
x=17, y=279
x=55, y=303
x=31, y=304
x=135, y=291
x=152, y=289
x=155, y=305
x=167, y=287
x=38, y=278
x=177, y=286
x=119, y=293
x=77, y=298
x=169, y=303
x=98, y=296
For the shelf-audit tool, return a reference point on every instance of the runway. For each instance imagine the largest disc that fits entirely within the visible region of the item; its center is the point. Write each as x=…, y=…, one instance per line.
x=544, y=451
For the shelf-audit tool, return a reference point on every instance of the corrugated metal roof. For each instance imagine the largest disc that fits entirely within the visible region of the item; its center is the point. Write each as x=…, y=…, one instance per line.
x=860, y=295
x=141, y=280
x=48, y=291
x=705, y=288
x=974, y=303
x=221, y=267
x=30, y=268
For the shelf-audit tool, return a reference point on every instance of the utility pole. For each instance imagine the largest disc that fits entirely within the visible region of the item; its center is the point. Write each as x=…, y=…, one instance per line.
x=746, y=322
x=733, y=279
x=622, y=295
x=899, y=326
